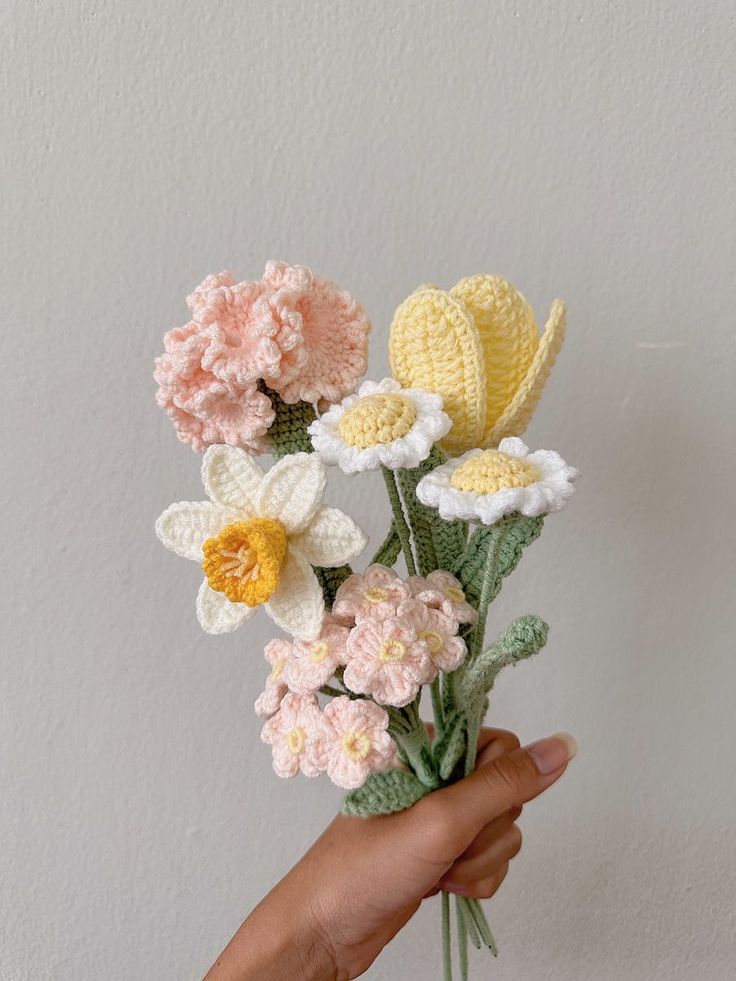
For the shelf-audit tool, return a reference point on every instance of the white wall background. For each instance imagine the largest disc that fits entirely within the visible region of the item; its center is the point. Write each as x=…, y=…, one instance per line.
x=581, y=149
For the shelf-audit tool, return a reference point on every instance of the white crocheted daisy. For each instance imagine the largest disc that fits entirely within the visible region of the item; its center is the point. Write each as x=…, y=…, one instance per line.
x=383, y=425
x=257, y=539
x=484, y=485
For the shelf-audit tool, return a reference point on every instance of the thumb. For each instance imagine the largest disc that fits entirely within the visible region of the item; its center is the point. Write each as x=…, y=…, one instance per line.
x=506, y=782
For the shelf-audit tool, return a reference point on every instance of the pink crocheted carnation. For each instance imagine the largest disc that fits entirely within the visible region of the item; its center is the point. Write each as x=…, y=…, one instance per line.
x=312, y=663
x=293, y=733
x=206, y=409
x=388, y=660
x=375, y=594
x=443, y=591
x=439, y=631
x=354, y=741
x=277, y=652
x=333, y=351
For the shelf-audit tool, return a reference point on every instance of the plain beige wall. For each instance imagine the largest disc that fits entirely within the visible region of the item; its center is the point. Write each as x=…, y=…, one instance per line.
x=582, y=149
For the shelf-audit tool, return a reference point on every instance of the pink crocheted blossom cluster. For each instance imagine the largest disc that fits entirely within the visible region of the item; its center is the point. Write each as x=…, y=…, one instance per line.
x=385, y=638
x=292, y=330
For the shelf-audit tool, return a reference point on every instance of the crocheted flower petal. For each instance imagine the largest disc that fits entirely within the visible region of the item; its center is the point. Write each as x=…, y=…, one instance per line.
x=297, y=606
x=292, y=490
x=231, y=477
x=434, y=345
x=508, y=334
x=331, y=539
x=184, y=527
x=217, y=615
x=517, y=414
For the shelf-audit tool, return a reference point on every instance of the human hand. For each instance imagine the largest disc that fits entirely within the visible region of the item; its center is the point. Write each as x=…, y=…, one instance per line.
x=363, y=879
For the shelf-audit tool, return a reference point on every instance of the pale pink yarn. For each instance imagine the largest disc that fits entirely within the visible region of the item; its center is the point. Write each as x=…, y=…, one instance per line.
x=353, y=741
x=334, y=335
x=388, y=660
x=442, y=590
x=293, y=733
x=206, y=409
x=277, y=652
x=312, y=663
x=439, y=631
x=375, y=594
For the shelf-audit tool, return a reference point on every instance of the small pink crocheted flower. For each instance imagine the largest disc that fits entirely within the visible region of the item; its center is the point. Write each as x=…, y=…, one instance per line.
x=277, y=652
x=312, y=663
x=443, y=591
x=203, y=408
x=375, y=594
x=439, y=631
x=293, y=733
x=354, y=741
x=333, y=350
x=388, y=660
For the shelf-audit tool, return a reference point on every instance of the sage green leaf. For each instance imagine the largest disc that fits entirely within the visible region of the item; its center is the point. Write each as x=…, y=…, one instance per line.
x=524, y=637
x=511, y=535
x=384, y=793
x=288, y=432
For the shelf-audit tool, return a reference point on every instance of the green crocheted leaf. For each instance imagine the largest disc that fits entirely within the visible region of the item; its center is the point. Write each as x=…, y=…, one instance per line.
x=513, y=533
x=523, y=638
x=288, y=433
x=384, y=793
x=389, y=550
x=449, y=749
x=330, y=580
x=438, y=542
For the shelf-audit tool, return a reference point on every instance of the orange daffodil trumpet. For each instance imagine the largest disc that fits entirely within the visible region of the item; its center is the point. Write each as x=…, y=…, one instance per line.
x=275, y=365
x=478, y=346
x=257, y=537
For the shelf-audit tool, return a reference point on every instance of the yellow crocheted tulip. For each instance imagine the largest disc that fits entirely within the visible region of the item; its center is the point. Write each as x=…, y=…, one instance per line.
x=478, y=347
x=434, y=344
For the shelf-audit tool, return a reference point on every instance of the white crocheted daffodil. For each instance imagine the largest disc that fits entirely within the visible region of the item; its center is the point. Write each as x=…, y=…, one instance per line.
x=257, y=539
x=383, y=425
x=484, y=485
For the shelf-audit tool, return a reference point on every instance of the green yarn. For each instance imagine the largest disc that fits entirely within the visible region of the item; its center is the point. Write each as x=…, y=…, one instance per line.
x=462, y=938
x=446, y=940
x=510, y=536
x=288, y=432
x=470, y=927
x=475, y=910
x=523, y=638
x=448, y=750
x=438, y=543
x=399, y=522
x=330, y=580
x=384, y=793
x=390, y=549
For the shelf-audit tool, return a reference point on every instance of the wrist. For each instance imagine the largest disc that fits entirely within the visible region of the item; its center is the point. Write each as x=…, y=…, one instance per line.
x=279, y=941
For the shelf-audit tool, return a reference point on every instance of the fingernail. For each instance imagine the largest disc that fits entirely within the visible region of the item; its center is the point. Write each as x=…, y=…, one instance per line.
x=552, y=753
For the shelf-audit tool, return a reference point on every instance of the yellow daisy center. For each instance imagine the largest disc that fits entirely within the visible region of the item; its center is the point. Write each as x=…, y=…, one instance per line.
x=296, y=741
x=356, y=744
x=454, y=593
x=376, y=420
x=245, y=559
x=434, y=640
x=392, y=651
x=376, y=595
x=320, y=652
x=492, y=470
x=278, y=669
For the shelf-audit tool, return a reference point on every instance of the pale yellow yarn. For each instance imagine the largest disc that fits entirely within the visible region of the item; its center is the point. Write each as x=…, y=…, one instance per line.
x=479, y=348
x=434, y=344
x=489, y=471
x=377, y=419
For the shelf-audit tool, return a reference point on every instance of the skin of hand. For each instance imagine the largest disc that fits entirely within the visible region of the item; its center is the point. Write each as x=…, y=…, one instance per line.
x=364, y=879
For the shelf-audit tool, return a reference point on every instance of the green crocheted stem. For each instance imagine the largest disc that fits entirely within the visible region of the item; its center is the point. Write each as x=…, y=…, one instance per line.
x=448, y=750
x=523, y=638
x=475, y=910
x=462, y=938
x=515, y=533
x=390, y=549
x=446, y=940
x=288, y=432
x=438, y=543
x=410, y=735
x=402, y=528
x=471, y=928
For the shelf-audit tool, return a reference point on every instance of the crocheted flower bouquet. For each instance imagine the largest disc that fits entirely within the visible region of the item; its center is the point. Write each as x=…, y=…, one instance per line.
x=272, y=366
